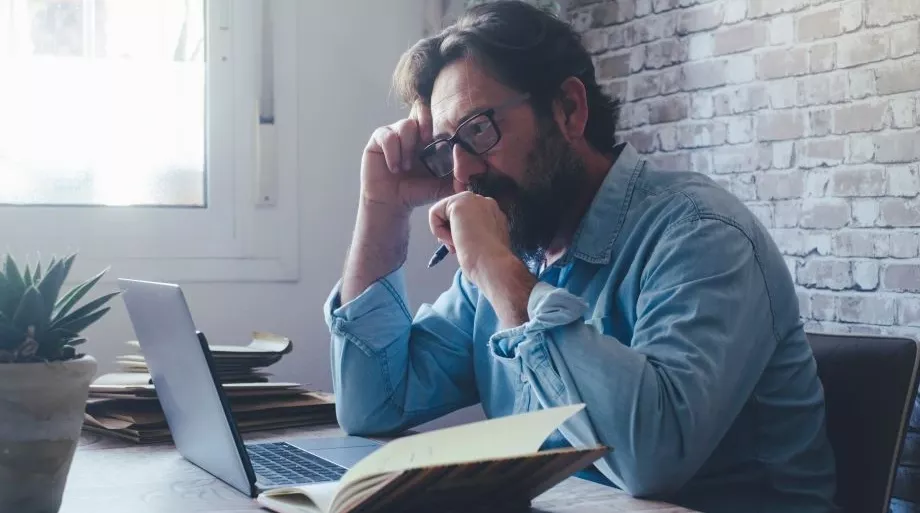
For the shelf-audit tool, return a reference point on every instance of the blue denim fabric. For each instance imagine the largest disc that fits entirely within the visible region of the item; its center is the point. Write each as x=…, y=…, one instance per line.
x=672, y=316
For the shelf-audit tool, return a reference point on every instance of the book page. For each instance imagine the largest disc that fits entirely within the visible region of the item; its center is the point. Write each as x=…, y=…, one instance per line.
x=505, y=437
x=312, y=498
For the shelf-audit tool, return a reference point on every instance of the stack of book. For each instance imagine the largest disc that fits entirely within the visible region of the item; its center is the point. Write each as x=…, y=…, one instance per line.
x=124, y=404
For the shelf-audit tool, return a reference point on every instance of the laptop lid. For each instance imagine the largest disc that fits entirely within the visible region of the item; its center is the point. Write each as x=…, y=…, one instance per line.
x=179, y=361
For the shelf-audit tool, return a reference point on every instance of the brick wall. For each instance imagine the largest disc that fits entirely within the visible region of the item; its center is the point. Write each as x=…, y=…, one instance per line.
x=807, y=110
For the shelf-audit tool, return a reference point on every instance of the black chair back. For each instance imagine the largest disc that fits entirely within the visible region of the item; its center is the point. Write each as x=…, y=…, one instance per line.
x=869, y=383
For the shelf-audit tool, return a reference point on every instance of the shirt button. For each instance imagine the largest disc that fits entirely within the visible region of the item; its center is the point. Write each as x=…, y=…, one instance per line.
x=523, y=378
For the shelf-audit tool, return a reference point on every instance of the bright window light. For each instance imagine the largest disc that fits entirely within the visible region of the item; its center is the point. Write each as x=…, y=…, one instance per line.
x=102, y=102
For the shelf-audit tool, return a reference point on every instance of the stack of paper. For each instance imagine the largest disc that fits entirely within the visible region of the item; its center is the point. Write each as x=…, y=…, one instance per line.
x=124, y=404
x=233, y=364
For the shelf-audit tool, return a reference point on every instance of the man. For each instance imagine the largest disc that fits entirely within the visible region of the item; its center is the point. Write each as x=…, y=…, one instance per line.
x=586, y=276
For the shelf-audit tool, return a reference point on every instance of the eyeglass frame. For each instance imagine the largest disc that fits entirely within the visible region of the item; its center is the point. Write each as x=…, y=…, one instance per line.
x=454, y=138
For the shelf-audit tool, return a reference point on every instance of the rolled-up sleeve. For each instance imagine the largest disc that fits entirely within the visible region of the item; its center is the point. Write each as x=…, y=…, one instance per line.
x=664, y=399
x=391, y=371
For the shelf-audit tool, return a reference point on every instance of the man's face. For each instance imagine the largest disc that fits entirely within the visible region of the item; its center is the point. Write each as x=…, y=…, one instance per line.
x=532, y=172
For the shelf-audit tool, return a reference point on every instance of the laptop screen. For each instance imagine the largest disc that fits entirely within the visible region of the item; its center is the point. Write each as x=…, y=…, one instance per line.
x=195, y=409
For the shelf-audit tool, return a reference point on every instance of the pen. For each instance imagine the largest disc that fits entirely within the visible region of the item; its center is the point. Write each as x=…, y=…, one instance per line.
x=438, y=256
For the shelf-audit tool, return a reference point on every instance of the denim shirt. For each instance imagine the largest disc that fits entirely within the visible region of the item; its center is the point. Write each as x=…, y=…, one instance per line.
x=672, y=317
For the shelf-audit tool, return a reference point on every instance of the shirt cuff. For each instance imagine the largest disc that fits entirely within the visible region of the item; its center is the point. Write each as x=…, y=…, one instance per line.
x=375, y=316
x=547, y=307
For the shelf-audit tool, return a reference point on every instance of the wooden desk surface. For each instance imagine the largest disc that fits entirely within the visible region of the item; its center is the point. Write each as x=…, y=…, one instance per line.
x=108, y=475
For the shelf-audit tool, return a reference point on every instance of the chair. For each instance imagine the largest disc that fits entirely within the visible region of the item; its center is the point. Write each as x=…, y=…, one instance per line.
x=869, y=384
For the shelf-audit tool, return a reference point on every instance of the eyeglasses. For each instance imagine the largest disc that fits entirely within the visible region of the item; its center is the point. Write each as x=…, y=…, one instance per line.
x=476, y=135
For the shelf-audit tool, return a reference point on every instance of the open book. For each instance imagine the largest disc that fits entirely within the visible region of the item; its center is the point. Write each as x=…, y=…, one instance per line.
x=491, y=465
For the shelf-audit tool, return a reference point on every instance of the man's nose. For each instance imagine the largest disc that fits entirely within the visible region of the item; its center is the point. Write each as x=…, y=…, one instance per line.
x=466, y=165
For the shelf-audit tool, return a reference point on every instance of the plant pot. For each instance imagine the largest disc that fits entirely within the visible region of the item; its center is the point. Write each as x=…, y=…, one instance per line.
x=41, y=414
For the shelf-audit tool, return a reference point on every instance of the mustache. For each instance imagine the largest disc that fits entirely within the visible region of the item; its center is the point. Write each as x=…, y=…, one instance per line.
x=492, y=185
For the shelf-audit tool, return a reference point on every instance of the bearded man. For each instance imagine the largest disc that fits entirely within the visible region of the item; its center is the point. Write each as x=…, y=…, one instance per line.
x=654, y=297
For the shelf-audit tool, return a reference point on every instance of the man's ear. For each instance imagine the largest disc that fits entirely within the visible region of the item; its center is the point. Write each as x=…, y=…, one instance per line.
x=571, y=109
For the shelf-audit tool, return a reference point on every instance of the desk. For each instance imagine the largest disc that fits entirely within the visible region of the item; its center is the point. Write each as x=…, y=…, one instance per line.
x=108, y=475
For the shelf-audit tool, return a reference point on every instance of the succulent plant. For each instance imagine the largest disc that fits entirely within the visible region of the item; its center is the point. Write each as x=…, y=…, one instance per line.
x=37, y=323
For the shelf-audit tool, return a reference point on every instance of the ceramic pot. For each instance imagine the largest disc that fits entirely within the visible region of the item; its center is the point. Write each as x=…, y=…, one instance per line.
x=41, y=414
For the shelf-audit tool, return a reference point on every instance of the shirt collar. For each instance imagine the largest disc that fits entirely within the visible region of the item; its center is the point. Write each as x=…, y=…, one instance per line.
x=593, y=241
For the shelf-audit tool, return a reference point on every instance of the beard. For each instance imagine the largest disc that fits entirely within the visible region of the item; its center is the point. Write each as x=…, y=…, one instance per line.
x=536, y=207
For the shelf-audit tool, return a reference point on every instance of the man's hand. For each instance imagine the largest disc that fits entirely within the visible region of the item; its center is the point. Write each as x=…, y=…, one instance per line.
x=476, y=230
x=393, y=182
x=392, y=173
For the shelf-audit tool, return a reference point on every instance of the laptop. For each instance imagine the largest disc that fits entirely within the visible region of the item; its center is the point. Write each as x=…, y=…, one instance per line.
x=197, y=410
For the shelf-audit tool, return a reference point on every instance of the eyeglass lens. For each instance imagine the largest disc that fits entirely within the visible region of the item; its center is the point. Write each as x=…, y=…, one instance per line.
x=478, y=135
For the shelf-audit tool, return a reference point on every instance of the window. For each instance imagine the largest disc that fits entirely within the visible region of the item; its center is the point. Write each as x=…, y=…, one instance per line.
x=131, y=133
x=117, y=89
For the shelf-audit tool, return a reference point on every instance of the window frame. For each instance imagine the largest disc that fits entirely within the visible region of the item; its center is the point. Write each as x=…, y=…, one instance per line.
x=248, y=229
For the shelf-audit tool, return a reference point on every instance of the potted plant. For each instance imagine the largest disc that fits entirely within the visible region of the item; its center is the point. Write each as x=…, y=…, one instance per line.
x=44, y=381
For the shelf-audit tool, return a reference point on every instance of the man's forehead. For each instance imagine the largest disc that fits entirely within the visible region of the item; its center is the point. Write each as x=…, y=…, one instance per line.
x=462, y=87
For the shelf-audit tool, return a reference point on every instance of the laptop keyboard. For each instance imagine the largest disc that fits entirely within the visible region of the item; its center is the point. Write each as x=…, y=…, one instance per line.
x=280, y=463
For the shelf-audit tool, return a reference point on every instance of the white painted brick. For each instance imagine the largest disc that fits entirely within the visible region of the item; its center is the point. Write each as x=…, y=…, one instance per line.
x=782, y=30
x=735, y=159
x=735, y=11
x=865, y=212
x=701, y=105
x=905, y=39
x=643, y=8
x=859, y=181
x=741, y=99
x=700, y=46
x=820, y=121
x=817, y=182
x=823, y=57
x=903, y=180
x=744, y=187
x=865, y=275
x=740, y=69
x=851, y=15
x=667, y=138
x=899, y=212
x=909, y=312
x=861, y=48
x=823, y=306
x=783, y=93
x=862, y=148
x=701, y=134
x=820, y=152
x=637, y=59
x=763, y=212
x=823, y=89
x=860, y=243
x=782, y=154
x=901, y=277
x=701, y=162
x=804, y=301
x=905, y=244
x=740, y=130
x=779, y=185
x=897, y=147
x=885, y=12
x=827, y=213
x=867, y=309
x=862, y=83
x=902, y=112
x=786, y=213
x=825, y=274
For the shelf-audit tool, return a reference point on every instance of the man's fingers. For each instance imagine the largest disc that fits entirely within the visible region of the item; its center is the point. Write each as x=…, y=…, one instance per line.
x=407, y=130
x=422, y=114
x=439, y=223
x=388, y=142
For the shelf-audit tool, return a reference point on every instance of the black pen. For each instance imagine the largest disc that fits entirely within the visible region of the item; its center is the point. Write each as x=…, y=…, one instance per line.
x=438, y=256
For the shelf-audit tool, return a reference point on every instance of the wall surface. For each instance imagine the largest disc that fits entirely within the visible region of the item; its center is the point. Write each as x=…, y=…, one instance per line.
x=807, y=110
x=344, y=78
